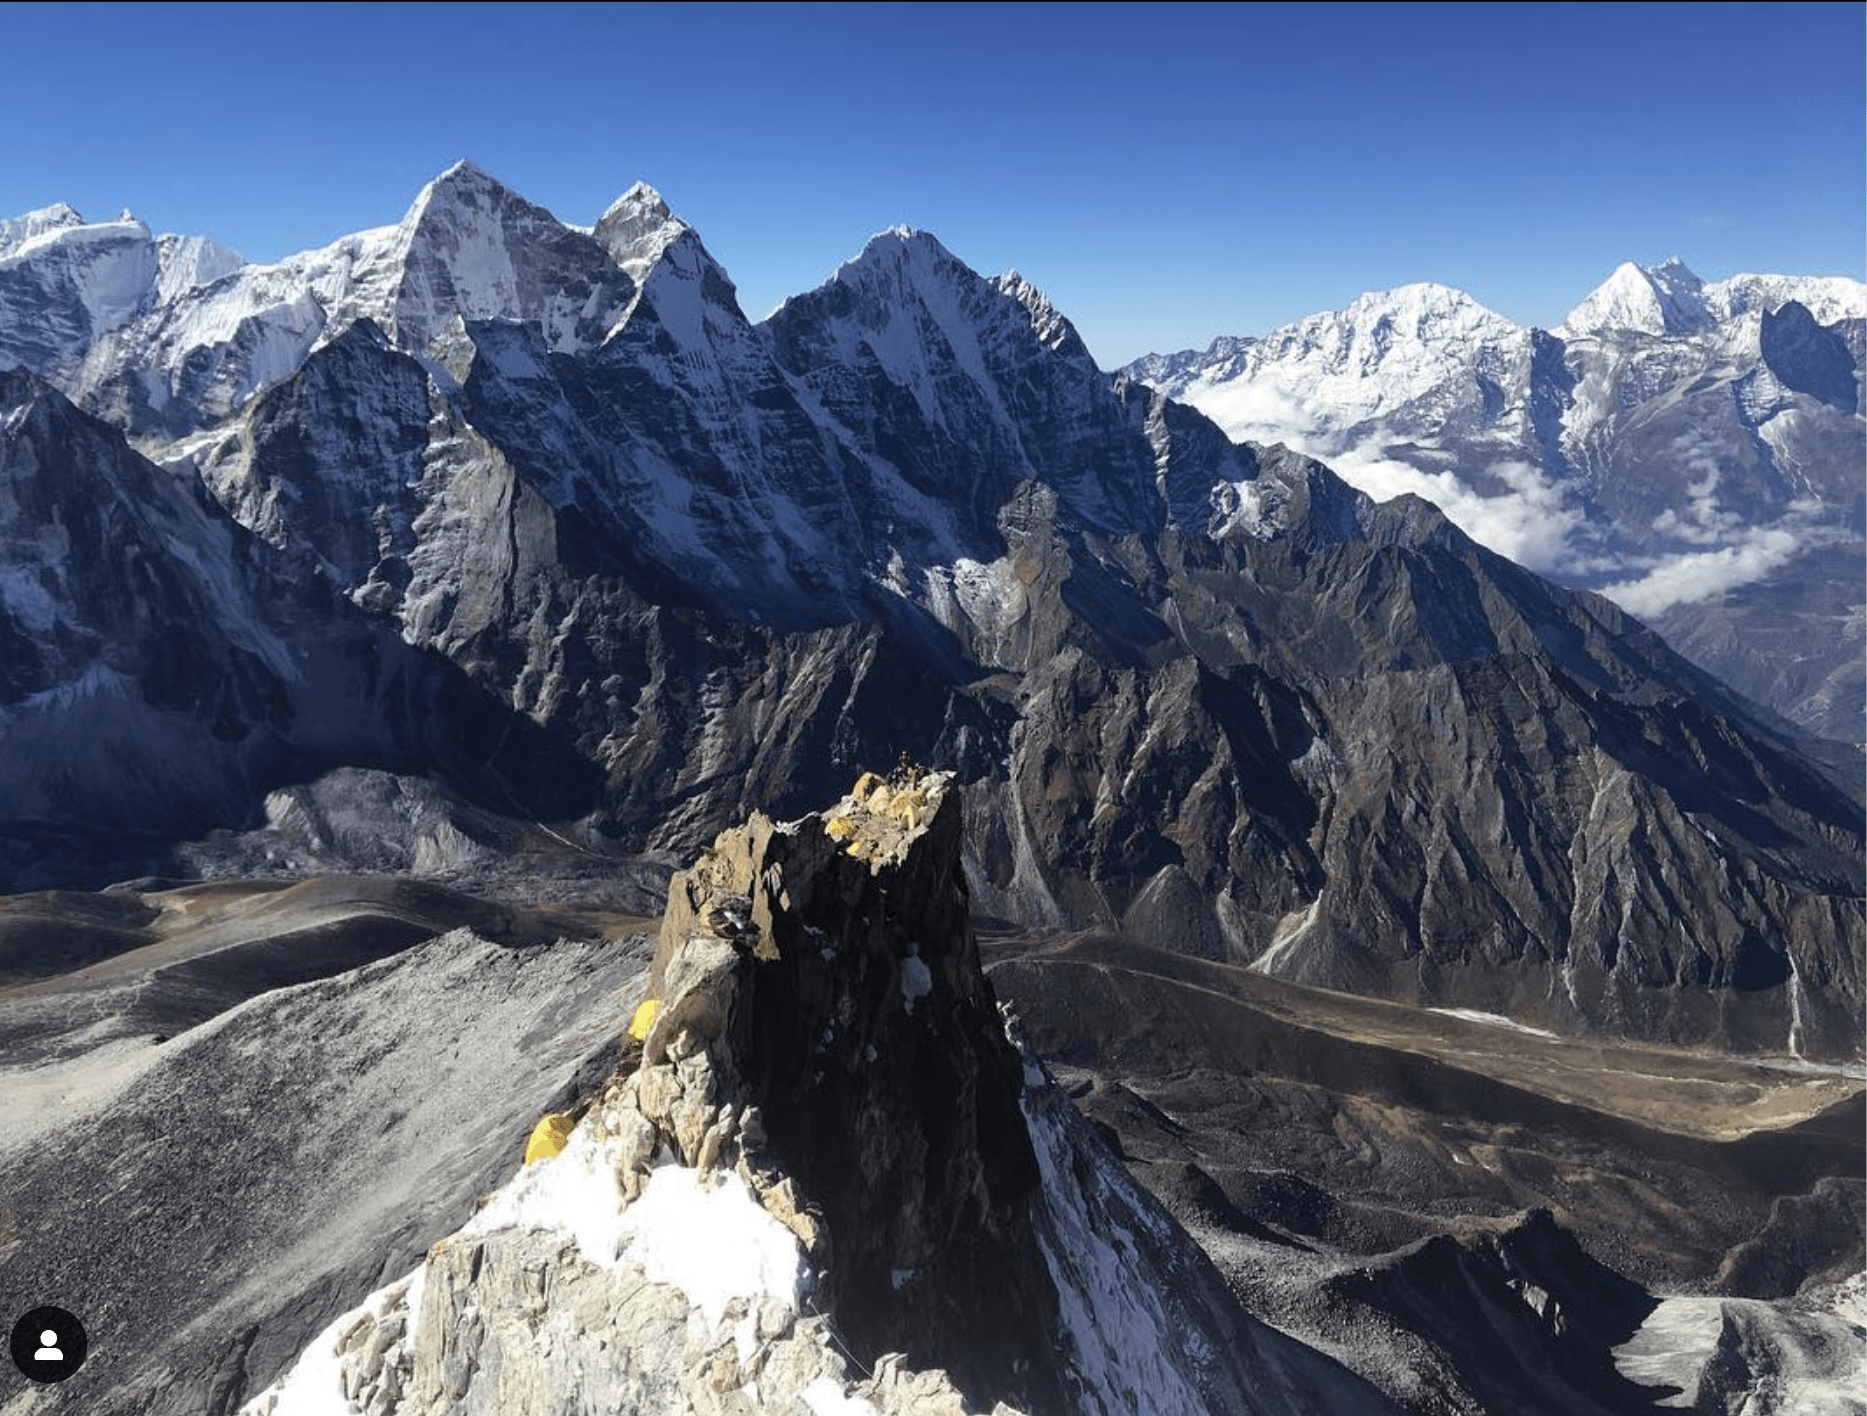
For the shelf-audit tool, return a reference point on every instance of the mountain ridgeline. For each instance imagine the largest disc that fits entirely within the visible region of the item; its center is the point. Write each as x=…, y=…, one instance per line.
x=1693, y=448
x=535, y=513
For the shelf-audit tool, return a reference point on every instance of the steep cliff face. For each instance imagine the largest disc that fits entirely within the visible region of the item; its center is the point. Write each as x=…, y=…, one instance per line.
x=823, y=1177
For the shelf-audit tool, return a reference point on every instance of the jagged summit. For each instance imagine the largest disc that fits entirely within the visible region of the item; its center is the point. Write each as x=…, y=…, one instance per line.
x=905, y=271
x=896, y=247
x=639, y=229
x=464, y=175
x=1052, y=327
x=466, y=192
x=16, y=231
x=1664, y=299
x=640, y=199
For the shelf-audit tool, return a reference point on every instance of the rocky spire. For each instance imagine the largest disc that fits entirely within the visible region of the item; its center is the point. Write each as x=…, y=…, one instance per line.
x=826, y=1031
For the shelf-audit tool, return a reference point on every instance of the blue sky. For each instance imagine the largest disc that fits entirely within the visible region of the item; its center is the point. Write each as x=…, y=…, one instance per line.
x=1167, y=173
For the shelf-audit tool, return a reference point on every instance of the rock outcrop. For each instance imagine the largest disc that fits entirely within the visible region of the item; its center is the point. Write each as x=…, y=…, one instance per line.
x=824, y=1179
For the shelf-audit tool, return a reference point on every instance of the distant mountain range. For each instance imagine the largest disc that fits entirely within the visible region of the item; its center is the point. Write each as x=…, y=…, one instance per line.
x=531, y=518
x=1696, y=451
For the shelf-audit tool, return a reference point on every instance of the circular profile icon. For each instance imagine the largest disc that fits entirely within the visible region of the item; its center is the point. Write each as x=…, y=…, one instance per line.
x=48, y=1344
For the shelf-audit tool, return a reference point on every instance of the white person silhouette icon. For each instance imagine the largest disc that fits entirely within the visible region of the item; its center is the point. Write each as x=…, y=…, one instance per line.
x=49, y=1344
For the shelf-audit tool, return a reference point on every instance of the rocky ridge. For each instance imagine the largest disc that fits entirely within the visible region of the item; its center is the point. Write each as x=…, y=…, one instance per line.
x=825, y=1179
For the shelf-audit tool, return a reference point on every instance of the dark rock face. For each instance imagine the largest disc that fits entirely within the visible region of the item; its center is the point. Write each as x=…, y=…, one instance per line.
x=1528, y=1319
x=146, y=679
x=1340, y=774
x=171, y=669
x=956, y=1208
x=1809, y=357
x=1818, y=1233
x=1361, y=1126
x=864, y=1031
x=1469, y=1216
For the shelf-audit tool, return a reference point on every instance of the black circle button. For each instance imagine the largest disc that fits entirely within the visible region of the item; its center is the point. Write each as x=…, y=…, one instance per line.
x=49, y=1344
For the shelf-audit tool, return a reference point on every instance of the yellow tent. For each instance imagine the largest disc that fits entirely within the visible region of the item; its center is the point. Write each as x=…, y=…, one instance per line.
x=548, y=1136
x=644, y=1019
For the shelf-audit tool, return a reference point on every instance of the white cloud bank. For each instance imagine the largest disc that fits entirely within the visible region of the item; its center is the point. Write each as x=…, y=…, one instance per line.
x=1531, y=522
x=1691, y=576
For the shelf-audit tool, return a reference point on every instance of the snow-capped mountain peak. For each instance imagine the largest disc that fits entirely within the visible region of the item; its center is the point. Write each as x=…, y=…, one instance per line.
x=889, y=245
x=1699, y=434
x=16, y=230
x=640, y=197
x=470, y=247
x=1417, y=355
x=1393, y=328
x=638, y=229
x=1827, y=297
x=65, y=282
x=456, y=226
x=171, y=332
x=1426, y=312
x=1665, y=299
x=191, y=262
x=459, y=182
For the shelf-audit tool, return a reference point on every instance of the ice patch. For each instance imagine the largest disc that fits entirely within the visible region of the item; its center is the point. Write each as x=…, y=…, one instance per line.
x=1241, y=512
x=1849, y=1301
x=1815, y=1366
x=314, y=1384
x=986, y=598
x=825, y=1397
x=1119, y=1332
x=575, y=1192
x=24, y=596
x=709, y=1237
x=97, y=681
x=916, y=981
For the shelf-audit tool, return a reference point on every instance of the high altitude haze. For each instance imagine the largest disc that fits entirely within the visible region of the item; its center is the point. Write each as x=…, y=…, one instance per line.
x=1165, y=173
